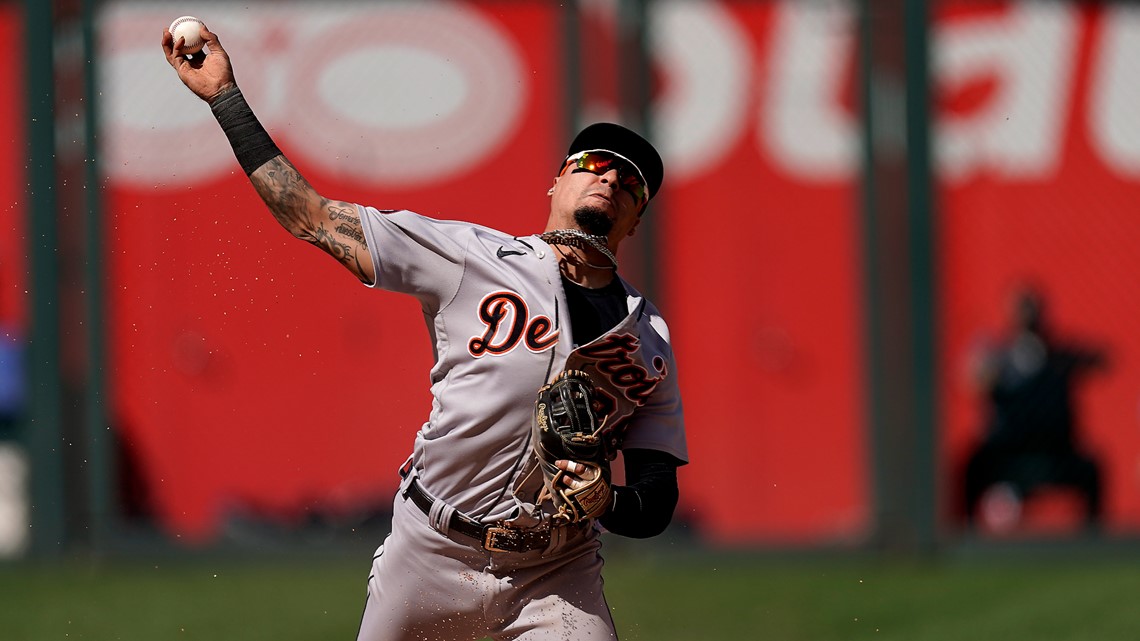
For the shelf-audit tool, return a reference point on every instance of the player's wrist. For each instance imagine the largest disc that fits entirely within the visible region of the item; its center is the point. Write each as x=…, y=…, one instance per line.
x=251, y=143
x=224, y=90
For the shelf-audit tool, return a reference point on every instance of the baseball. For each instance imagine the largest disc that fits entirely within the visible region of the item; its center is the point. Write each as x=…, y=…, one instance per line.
x=187, y=27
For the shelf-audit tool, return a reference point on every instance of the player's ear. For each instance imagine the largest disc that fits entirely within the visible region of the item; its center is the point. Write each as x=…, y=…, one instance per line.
x=634, y=228
x=551, y=191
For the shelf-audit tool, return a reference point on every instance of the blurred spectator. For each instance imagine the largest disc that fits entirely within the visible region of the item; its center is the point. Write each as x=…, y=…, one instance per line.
x=12, y=382
x=1030, y=441
x=14, y=510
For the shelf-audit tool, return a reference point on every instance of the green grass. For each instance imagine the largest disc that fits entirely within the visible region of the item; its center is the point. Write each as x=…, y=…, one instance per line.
x=849, y=601
x=700, y=598
x=183, y=600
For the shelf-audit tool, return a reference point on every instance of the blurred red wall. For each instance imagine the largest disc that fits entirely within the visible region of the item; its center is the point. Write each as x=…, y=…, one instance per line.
x=13, y=253
x=246, y=377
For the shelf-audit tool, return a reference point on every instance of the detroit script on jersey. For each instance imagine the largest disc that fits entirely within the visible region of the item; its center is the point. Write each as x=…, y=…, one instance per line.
x=625, y=378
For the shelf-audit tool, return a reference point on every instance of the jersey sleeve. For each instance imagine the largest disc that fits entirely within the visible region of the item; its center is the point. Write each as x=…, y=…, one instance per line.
x=416, y=255
x=660, y=424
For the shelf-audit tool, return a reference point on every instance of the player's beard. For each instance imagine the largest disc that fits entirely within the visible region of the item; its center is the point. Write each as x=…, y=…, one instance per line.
x=593, y=220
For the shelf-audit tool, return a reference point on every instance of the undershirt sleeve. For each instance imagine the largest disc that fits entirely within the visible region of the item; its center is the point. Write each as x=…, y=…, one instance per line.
x=643, y=507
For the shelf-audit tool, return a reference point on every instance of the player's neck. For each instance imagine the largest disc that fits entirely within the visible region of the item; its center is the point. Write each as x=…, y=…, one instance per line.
x=575, y=267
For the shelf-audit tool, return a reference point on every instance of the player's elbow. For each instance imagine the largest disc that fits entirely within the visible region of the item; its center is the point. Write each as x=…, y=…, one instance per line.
x=656, y=522
x=641, y=514
x=649, y=529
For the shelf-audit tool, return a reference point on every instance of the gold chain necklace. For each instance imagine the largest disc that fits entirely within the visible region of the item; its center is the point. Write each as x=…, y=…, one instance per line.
x=581, y=240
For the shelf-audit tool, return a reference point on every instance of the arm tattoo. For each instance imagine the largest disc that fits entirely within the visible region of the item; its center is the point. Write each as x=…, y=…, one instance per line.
x=338, y=249
x=348, y=228
x=309, y=216
x=286, y=193
x=352, y=232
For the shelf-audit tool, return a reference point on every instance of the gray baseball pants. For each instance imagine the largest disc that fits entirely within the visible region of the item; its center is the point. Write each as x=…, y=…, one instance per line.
x=426, y=586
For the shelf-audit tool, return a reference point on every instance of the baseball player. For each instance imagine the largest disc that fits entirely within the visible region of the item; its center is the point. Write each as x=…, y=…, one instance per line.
x=484, y=541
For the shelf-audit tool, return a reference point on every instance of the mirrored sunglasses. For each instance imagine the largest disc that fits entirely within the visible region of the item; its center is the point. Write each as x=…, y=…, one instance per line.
x=599, y=162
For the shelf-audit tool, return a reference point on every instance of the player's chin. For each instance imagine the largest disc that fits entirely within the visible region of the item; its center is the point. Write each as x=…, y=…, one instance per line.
x=594, y=219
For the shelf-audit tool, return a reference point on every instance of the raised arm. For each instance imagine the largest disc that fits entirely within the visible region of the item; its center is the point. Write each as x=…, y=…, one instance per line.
x=332, y=225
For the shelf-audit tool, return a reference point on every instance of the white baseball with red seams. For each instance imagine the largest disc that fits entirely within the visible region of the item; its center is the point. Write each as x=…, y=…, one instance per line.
x=189, y=28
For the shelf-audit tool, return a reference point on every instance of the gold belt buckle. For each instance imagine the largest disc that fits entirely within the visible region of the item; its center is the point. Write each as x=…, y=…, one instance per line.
x=491, y=538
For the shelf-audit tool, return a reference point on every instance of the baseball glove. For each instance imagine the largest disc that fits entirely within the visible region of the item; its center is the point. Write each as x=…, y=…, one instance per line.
x=567, y=427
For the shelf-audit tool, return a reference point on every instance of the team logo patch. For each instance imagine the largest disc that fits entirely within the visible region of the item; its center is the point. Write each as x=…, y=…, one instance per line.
x=508, y=324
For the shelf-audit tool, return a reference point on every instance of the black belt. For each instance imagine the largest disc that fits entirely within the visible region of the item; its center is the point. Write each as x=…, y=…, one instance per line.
x=495, y=538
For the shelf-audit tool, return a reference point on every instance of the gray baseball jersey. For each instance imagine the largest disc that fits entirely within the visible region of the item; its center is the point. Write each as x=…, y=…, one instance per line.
x=497, y=316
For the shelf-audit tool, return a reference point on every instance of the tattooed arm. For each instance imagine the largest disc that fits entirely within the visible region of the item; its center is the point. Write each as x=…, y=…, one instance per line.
x=332, y=225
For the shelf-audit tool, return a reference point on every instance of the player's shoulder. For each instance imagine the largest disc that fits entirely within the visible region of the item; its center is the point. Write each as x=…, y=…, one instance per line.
x=645, y=305
x=647, y=312
x=456, y=226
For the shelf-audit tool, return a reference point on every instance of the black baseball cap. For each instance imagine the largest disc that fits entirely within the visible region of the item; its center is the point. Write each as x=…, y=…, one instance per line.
x=614, y=138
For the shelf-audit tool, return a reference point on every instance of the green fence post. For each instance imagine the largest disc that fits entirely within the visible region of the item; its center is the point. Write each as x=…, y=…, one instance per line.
x=923, y=276
x=43, y=430
x=99, y=436
x=636, y=104
x=899, y=269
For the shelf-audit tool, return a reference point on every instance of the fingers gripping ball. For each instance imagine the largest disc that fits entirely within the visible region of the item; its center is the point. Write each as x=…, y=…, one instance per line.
x=188, y=28
x=567, y=426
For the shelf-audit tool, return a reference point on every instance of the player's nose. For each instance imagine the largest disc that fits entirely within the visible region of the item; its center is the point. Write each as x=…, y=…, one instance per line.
x=611, y=179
